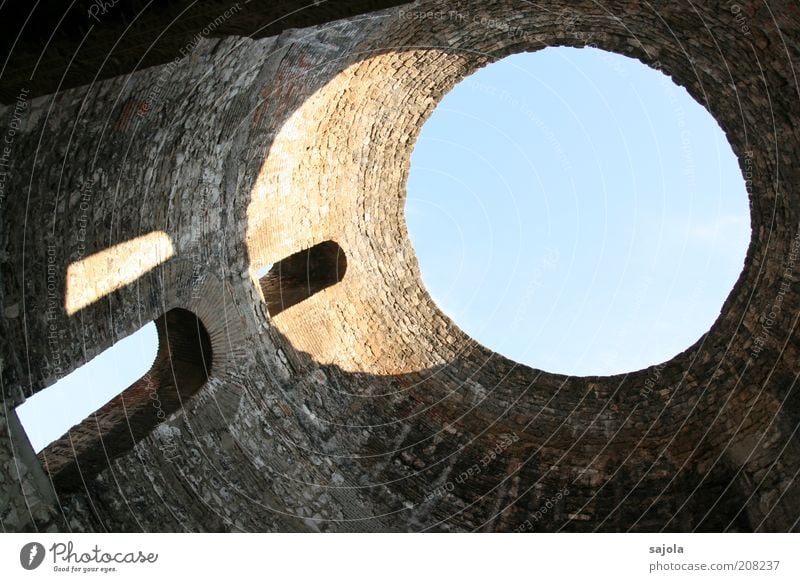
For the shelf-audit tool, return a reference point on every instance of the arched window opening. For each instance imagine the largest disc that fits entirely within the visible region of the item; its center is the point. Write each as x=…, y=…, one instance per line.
x=51, y=412
x=181, y=367
x=301, y=275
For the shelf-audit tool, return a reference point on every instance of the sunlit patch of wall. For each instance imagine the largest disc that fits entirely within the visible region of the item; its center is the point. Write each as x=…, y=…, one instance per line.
x=94, y=277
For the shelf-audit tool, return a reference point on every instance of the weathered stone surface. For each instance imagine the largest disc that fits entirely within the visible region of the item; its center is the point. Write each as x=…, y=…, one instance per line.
x=363, y=407
x=27, y=501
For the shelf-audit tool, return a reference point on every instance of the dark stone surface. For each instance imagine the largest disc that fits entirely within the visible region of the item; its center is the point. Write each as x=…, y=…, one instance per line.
x=52, y=46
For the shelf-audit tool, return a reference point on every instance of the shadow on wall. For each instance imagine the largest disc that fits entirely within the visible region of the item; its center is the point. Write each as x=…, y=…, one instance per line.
x=303, y=274
x=446, y=461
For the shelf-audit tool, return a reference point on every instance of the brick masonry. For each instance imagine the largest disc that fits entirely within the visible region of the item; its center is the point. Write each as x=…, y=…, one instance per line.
x=364, y=408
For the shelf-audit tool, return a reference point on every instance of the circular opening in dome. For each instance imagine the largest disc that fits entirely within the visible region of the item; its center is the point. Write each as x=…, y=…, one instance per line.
x=576, y=211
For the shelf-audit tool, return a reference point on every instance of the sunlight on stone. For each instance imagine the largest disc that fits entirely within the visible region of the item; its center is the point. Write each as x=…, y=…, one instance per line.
x=94, y=277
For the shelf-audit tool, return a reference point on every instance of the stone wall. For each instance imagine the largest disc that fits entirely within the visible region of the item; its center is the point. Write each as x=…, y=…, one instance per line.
x=28, y=502
x=363, y=407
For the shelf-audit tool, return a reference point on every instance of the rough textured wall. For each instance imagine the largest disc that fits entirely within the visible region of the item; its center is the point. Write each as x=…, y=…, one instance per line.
x=363, y=407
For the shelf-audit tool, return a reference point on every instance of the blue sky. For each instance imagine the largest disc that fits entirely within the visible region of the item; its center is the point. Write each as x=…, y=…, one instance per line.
x=571, y=209
x=48, y=414
x=576, y=211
